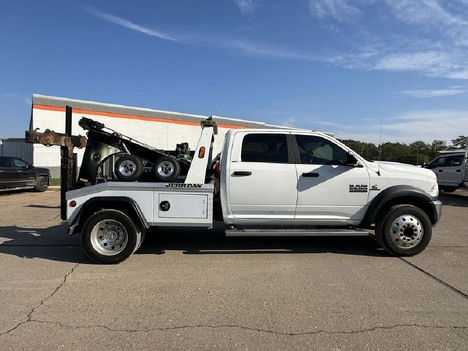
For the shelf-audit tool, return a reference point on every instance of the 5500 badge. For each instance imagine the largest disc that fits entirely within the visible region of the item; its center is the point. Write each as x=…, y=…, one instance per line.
x=358, y=188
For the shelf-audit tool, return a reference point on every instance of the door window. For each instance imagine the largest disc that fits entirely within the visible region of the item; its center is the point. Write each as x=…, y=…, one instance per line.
x=438, y=162
x=17, y=162
x=455, y=161
x=320, y=151
x=269, y=148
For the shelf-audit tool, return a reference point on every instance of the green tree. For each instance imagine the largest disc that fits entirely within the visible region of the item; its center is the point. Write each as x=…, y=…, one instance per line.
x=397, y=152
x=421, y=149
x=459, y=143
x=437, y=146
x=367, y=150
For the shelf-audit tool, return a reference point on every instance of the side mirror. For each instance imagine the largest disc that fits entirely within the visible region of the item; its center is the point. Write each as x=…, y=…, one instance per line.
x=351, y=160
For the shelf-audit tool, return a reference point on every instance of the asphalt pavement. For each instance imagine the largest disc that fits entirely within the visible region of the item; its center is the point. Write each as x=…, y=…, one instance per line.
x=189, y=289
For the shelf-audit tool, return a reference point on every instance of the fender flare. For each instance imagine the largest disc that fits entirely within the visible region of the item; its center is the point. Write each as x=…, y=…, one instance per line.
x=398, y=195
x=121, y=203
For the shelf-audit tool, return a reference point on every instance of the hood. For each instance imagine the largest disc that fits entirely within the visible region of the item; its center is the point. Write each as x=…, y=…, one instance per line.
x=403, y=168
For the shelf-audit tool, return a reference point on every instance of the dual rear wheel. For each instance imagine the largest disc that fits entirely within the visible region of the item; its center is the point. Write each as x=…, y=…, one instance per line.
x=111, y=236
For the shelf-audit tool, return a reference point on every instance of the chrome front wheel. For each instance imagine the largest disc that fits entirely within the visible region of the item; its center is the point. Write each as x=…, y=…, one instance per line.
x=404, y=230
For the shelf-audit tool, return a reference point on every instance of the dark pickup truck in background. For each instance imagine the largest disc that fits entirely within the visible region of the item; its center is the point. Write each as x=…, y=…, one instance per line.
x=16, y=174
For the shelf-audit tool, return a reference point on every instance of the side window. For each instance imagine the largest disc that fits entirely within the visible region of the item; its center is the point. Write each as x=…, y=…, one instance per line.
x=5, y=162
x=320, y=151
x=270, y=148
x=438, y=162
x=17, y=162
x=455, y=161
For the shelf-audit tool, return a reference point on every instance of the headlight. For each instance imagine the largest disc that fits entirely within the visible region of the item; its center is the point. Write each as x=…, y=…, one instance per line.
x=434, y=192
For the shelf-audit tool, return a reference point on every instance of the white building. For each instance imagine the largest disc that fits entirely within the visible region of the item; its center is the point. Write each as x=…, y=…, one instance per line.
x=160, y=129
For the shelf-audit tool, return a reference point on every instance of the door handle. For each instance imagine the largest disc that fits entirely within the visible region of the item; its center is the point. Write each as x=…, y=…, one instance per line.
x=441, y=170
x=242, y=173
x=459, y=170
x=310, y=175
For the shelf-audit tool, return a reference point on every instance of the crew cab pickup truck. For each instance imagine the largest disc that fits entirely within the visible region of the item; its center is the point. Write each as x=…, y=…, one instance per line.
x=17, y=174
x=266, y=183
x=449, y=169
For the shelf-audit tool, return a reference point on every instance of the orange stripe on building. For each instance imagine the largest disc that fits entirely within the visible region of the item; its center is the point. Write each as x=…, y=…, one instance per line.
x=127, y=116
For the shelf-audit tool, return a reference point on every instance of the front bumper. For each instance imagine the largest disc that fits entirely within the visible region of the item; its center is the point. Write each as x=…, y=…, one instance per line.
x=438, y=210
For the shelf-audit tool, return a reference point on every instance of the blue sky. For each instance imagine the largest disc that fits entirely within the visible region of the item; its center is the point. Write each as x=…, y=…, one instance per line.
x=351, y=67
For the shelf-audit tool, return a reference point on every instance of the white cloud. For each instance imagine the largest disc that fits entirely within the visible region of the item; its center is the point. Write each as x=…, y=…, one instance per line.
x=262, y=49
x=416, y=51
x=130, y=25
x=433, y=40
x=340, y=10
x=17, y=97
x=246, y=6
x=432, y=93
x=425, y=12
x=409, y=127
x=249, y=47
x=433, y=63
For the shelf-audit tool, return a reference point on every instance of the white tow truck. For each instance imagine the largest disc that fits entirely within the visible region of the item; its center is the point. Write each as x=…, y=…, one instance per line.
x=265, y=183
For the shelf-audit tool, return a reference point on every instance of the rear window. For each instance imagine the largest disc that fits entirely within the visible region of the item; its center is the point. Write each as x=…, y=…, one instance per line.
x=5, y=162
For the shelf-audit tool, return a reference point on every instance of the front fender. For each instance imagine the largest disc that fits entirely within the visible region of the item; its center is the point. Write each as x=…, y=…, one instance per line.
x=401, y=195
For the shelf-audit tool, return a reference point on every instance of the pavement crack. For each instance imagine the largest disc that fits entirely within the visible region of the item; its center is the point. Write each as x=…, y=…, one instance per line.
x=259, y=330
x=29, y=317
x=459, y=292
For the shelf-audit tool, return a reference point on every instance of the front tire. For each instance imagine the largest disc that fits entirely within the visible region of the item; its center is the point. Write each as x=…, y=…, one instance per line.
x=110, y=237
x=448, y=189
x=404, y=230
x=42, y=183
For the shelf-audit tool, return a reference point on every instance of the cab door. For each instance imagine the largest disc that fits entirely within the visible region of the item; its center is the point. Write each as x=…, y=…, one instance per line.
x=453, y=171
x=8, y=175
x=262, y=179
x=330, y=190
x=25, y=173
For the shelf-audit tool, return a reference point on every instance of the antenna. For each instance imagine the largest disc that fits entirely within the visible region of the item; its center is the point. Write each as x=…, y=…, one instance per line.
x=380, y=149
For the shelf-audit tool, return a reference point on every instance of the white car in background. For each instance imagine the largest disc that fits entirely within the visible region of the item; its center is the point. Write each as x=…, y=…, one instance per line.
x=449, y=169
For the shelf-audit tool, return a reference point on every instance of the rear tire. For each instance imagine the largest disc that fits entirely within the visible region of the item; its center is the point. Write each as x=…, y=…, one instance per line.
x=404, y=230
x=110, y=236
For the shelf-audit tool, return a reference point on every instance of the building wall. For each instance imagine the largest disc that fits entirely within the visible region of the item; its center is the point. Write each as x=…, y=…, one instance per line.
x=160, y=129
x=16, y=147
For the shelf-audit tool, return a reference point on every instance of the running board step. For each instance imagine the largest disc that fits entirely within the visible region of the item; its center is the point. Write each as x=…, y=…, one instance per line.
x=296, y=232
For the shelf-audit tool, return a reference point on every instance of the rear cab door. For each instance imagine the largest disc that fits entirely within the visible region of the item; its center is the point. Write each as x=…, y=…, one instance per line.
x=261, y=179
x=8, y=174
x=453, y=172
